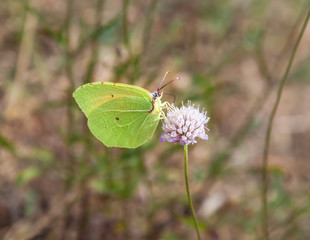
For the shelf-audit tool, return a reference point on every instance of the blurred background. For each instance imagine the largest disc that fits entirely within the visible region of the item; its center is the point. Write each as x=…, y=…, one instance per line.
x=57, y=181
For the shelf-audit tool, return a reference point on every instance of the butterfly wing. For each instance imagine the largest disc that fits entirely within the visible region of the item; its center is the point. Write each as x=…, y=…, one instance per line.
x=122, y=120
x=91, y=95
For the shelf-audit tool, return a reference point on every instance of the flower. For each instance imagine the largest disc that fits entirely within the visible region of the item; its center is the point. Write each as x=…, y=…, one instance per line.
x=184, y=125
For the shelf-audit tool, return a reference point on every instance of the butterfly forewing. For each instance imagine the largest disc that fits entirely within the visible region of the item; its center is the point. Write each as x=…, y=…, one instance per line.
x=90, y=96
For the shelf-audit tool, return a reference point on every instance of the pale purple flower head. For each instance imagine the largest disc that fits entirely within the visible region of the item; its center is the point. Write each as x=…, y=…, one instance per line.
x=184, y=125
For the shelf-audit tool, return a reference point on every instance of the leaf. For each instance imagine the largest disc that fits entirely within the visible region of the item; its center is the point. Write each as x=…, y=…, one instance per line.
x=7, y=144
x=27, y=174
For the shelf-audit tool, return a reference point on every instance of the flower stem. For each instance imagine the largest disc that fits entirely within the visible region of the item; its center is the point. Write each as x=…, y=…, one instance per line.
x=269, y=129
x=188, y=192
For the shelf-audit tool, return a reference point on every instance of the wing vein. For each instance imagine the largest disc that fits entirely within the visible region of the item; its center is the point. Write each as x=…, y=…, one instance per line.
x=141, y=128
x=121, y=110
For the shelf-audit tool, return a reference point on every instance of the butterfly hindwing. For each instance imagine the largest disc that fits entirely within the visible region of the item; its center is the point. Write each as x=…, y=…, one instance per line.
x=124, y=122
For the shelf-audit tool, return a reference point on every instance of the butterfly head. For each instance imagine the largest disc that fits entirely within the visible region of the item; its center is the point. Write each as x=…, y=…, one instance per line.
x=156, y=94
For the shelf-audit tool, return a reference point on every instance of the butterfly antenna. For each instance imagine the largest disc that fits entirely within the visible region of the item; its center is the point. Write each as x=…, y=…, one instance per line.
x=178, y=78
x=164, y=78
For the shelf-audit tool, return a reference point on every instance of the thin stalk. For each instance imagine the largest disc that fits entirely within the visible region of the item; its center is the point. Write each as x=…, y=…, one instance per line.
x=260, y=100
x=269, y=129
x=94, y=45
x=149, y=18
x=125, y=25
x=69, y=61
x=188, y=192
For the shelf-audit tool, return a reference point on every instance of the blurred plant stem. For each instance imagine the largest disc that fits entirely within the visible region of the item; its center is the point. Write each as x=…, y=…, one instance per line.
x=188, y=192
x=269, y=130
x=25, y=52
x=95, y=44
x=69, y=61
x=133, y=60
x=69, y=72
x=125, y=25
x=246, y=127
x=149, y=18
x=83, y=217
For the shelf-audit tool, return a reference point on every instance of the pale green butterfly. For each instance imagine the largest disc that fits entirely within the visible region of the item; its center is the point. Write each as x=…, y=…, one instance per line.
x=121, y=115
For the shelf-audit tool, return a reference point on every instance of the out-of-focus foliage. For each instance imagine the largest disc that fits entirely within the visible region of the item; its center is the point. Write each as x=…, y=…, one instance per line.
x=58, y=182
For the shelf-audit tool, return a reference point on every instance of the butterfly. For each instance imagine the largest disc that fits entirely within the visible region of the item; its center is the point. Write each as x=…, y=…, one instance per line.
x=121, y=115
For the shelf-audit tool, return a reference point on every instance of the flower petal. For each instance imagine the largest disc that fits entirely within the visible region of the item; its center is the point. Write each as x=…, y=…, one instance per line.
x=184, y=125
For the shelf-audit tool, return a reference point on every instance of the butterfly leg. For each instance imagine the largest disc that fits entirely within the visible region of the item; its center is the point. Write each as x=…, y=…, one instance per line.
x=165, y=105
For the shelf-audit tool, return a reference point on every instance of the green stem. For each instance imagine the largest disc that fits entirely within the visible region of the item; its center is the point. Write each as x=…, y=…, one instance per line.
x=188, y=192
x=269, y=129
